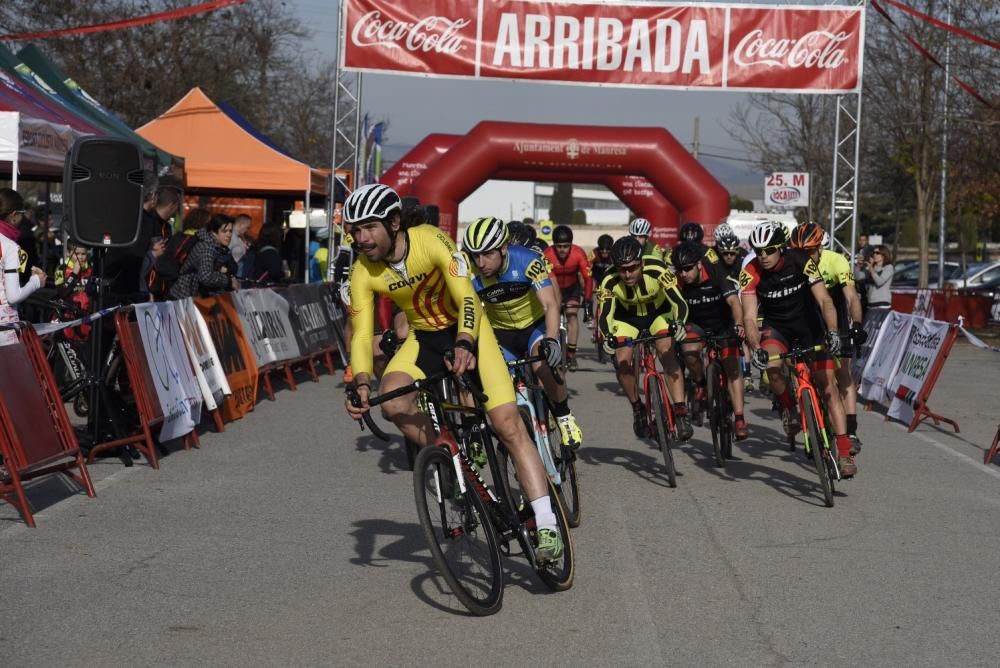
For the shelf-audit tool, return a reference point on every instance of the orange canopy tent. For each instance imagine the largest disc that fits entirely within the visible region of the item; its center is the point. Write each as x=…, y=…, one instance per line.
x=222, y=156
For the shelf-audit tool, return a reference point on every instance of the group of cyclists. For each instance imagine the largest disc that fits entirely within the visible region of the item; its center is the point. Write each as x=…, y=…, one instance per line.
x=504, y=294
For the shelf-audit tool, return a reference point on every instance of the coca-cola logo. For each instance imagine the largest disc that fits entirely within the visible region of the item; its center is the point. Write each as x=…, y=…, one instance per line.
x=819, y=49
x=785, y=195
x=433, y=33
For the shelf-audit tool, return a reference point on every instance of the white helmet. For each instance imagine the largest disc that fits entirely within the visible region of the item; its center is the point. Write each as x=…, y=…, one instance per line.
x=374, y=201
x=766, y=234
x=724, y=230
x=640, y=227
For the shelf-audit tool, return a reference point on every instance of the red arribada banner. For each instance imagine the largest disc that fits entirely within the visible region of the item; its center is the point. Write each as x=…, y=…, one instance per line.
x=803, y=49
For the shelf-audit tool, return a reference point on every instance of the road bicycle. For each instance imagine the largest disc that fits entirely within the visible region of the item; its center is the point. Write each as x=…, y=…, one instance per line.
x=467, y=523
x=720, y=405
x=811, y=415
x=598, y=337
x=653, y=389
x=536, y=412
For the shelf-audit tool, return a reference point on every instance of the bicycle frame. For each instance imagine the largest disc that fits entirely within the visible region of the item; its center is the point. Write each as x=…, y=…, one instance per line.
x=806, y=391
x=645, y=354
x=532, y=398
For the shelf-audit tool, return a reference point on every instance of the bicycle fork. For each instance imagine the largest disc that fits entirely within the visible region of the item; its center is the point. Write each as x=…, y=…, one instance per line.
x=808, y=394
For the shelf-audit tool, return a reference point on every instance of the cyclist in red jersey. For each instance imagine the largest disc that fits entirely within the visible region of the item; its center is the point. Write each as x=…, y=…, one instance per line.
x=572, y=272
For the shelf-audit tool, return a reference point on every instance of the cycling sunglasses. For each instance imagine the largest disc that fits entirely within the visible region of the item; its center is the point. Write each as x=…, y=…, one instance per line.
x=628, y=268
x=768, y=250
x=728, y=253
x=687, y=267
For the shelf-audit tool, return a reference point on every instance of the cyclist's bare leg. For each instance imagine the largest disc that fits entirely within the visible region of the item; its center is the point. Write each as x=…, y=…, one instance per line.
x=693, y=361
x=672, y=369
x=403, y=412
x=511, y=430
x=554, y=391
x=826, y=383
x=775, y=376
x=734, y=379
x=572, y=323
x=625, y=373
x=848, y=388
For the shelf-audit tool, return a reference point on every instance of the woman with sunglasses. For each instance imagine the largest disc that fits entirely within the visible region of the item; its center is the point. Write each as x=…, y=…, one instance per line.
x=879, y=273
x=787, y=287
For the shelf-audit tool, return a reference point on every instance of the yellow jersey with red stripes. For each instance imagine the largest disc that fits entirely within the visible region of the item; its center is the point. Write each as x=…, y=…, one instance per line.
x=431, y=285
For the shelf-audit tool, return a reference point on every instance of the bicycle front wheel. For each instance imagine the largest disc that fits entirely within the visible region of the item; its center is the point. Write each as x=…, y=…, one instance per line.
x=819, y=451
x=656, y=408
x=569, y=484
x=458, y=531
x=717, y=418
x=558, y=575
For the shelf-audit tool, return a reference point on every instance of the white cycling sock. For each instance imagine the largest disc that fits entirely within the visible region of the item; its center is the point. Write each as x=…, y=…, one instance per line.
x=544, y=517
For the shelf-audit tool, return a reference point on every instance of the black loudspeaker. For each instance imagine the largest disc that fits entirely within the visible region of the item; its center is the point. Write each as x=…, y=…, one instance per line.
x=433, y=214
x=409, y=203
x=102, y=191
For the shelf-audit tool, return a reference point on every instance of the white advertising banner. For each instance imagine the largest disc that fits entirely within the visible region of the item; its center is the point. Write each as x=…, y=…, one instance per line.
x=176, y=388
x=202, y=353
x=921, y=350
x=266, y=324
x=884, y=358
x=786, y=189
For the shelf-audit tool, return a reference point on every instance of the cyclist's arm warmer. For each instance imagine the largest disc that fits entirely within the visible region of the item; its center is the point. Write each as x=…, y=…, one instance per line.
x=607, y=302
x=680, y=305
x=362, y=320
x=15, y=293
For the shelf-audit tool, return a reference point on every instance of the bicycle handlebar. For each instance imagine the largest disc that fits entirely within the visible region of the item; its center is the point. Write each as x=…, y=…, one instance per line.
x=532, y=360
x=797, y=353
x=630, y=342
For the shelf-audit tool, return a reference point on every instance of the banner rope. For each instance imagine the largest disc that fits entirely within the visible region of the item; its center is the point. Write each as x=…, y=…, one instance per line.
x=941, y=24
x=147, y=19
x=928, y=55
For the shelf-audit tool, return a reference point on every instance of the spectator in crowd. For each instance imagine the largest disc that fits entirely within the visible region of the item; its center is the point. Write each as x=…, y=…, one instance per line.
x=14, y=260
x=268, y=266
x=241, y=242
x=195, y=220
x=127, y=268
x=209, y=267
x=878, y=274
x=27, y=241
x=862, y=258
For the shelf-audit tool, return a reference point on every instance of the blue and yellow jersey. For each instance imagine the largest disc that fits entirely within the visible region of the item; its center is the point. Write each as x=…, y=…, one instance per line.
x=509, y=298
x=431, y=286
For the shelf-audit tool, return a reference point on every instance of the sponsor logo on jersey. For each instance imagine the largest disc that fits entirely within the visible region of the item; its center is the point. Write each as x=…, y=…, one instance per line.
x=459, y=266
x=404, y=283
x=468, y=313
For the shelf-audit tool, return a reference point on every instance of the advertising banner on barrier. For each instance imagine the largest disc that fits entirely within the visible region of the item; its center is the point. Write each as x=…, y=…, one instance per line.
x=711, y=46
x=176, y=387
x=201, y=351
x=884, y=358
x=874, y=317
x=921, y=350
x=266, y=324
x=235, y=355
x=311, y=321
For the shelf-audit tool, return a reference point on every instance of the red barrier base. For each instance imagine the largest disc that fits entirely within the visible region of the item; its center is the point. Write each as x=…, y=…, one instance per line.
x=923, y=413
x=992, y=452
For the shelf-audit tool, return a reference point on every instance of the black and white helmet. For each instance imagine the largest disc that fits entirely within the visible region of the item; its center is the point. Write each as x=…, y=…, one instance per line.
x=768, y=233
x=374, y=201
x=640, y=227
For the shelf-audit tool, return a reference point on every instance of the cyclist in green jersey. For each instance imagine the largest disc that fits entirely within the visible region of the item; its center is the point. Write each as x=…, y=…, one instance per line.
x=640, y=228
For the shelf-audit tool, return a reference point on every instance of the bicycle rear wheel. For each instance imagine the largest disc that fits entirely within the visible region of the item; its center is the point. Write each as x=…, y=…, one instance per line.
x=663, y=436
x=458, y=531
x=558, y=575
x=569, y=484
x=717, y=418
x=819, y=451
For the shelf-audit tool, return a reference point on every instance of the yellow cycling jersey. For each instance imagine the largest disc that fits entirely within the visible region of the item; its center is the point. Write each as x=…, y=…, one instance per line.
x=656, y=292
x=653, y=249
x=431, y=286
x=835, y=269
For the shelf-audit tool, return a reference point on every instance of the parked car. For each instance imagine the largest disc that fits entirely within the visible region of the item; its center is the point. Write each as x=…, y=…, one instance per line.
x=978, y=276
x=907, y=274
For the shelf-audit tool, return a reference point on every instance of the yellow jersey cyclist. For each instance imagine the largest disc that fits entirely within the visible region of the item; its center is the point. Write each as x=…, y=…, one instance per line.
x=640, y=295
x=523, y=306
x=694, y=233
x=839, y=280
x=786, y=286
x=641, y=229
x=428, y=279
x=714, y=309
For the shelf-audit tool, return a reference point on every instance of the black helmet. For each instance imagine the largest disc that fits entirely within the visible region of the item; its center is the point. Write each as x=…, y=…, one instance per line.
x=626, y=250
x=562, y=235
x=605, y=242
x=515, y=229
x=686, y=253
x=692, y=232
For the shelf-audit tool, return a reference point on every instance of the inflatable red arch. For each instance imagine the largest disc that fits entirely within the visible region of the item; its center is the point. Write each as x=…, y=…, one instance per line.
x=569, y=152
x=635, y=192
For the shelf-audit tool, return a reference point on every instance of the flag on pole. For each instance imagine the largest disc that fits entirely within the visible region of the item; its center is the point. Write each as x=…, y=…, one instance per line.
x=373, y=151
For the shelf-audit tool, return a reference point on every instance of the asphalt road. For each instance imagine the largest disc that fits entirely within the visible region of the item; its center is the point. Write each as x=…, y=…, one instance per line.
x=292, y=540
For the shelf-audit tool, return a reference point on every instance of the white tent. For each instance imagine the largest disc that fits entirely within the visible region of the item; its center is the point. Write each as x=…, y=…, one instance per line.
x=33, y=146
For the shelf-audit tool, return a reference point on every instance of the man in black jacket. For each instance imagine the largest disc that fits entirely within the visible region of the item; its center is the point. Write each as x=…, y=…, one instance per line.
x=128, y=268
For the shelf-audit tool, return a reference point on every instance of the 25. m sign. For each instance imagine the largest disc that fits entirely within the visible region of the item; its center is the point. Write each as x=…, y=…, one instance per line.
x=787, y=189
